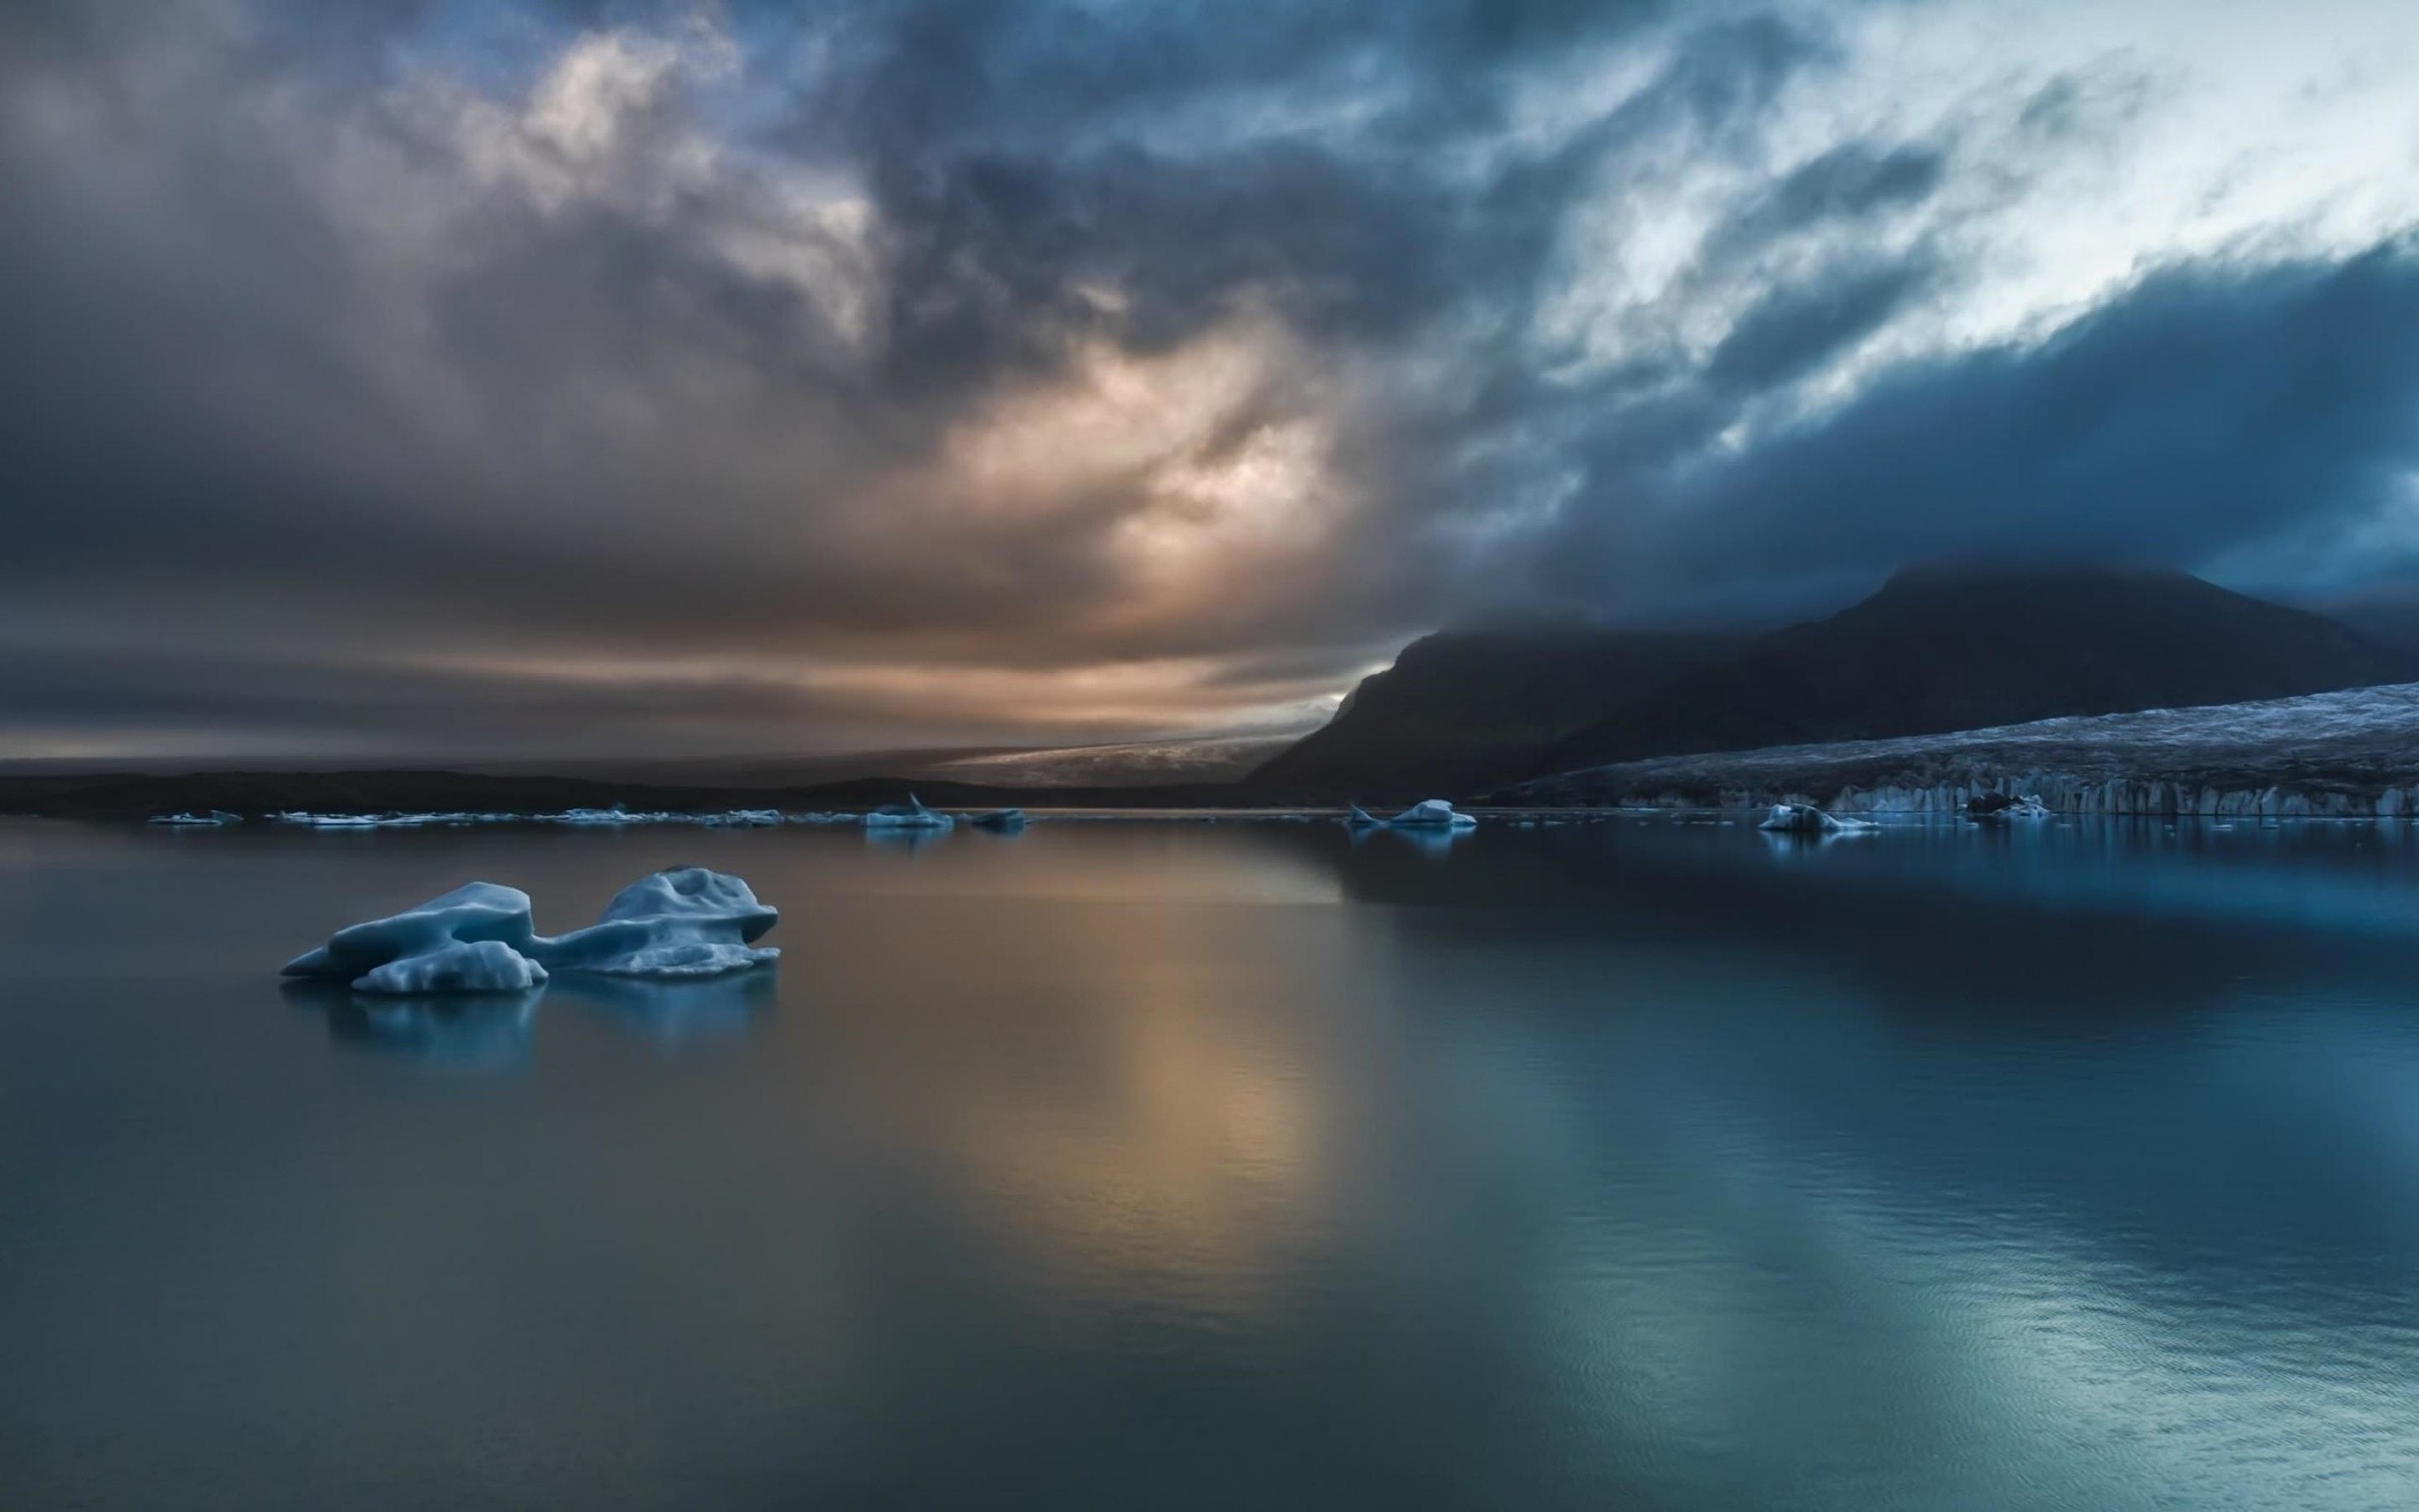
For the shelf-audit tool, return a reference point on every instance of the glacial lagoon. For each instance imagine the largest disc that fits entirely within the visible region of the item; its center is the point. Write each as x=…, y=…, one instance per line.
x=1124, y=1164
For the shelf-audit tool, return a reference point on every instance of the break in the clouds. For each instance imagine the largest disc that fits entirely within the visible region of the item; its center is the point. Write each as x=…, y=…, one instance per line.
x=436, y=378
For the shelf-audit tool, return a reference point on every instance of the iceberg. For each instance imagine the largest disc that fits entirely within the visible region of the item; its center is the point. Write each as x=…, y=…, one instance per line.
x=217, y=818
x=909, y=815
x=475, y=966
x=1431, y=814
x=374, y=956
x=451, y=818
x=684, y=922
x=1001, y=821
x=1807, y=819
x=1995, y=806
x=688, y=922
x=594, y=817
x=744, y=818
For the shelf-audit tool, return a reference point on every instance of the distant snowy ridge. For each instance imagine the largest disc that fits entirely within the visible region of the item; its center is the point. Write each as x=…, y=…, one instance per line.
x=1204, y=759
x=2350, y=754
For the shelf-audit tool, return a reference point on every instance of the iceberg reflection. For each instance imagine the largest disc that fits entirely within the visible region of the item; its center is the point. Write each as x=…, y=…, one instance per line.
x=676, y=1014
x=486, y=1035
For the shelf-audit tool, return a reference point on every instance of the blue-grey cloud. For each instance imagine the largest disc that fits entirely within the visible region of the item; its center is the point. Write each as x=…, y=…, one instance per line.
x=826, y=362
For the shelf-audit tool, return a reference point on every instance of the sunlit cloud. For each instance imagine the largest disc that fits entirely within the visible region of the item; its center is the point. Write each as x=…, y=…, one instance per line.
x=940, y=375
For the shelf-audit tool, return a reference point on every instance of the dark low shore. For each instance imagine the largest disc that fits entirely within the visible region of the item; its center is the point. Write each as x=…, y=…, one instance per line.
x=254, y=794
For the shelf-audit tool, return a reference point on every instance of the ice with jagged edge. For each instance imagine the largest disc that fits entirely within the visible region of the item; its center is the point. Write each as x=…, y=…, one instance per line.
x=1431, y=814
x=442, y=946
x=688, y=922
x=684, y=922
x=909, y=815
x=1428, y=814
x=1807, y=819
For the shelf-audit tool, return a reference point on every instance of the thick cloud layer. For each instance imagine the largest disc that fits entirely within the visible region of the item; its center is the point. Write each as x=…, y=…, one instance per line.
x=631, y=378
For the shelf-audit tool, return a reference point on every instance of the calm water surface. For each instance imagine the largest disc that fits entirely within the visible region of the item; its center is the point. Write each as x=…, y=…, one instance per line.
x=1185, y=1166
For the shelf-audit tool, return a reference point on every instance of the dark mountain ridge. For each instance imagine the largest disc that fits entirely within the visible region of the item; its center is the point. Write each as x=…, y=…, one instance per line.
x=1934, y=649
x=1461, y=710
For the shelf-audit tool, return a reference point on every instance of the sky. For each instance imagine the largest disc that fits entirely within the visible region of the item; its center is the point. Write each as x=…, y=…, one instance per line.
x=399, y=379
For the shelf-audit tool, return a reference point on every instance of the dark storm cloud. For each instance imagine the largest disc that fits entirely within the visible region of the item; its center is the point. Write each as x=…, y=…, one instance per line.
x=371, y=362
x=2211, y=410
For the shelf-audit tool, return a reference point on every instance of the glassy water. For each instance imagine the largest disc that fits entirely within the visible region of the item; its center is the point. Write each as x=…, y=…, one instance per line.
x=1640, y=1165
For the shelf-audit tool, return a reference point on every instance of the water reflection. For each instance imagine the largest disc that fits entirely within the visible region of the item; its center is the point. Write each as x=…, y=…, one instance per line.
x=1627, y=1165
x=486, y=1035
x=910, y=839
x=493, y=1035
x=674, y=1014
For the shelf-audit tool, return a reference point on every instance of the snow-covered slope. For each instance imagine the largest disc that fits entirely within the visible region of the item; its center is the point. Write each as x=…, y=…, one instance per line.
x=2355, y=752
x=1138, y=764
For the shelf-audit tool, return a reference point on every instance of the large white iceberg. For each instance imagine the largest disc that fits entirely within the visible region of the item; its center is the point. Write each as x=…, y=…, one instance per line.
x=373, y=956
x=1807, y=819
x=684, y=922
x=1431, y=814
x=909, y=815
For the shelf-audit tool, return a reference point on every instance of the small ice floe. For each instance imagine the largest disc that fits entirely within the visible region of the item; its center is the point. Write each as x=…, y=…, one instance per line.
x=909, y=815
x=1431, y=814
x=688, y=922
x=216, y=819
x=587, y=818
x=1361, y=819
x=388, y=821
x=743, y=819
x=817, y=817
x=1004, y=821
x=1807, y=819
x=1994, y=807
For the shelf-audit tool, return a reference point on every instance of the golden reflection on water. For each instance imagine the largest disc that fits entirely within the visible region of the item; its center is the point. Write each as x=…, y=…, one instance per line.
x=1133, y=1089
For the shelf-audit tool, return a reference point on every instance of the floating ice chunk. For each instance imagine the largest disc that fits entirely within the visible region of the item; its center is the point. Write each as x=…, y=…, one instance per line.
x=1997, y=806
x=909, y=815
x=1361, y=819
x=217, y=818
x=479, y=913
x=746, y=818
x=1807, y=819
x=1000, y=820
x=1431, y=814
x=616, y=815
x=688, y=922
x=478, y=965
